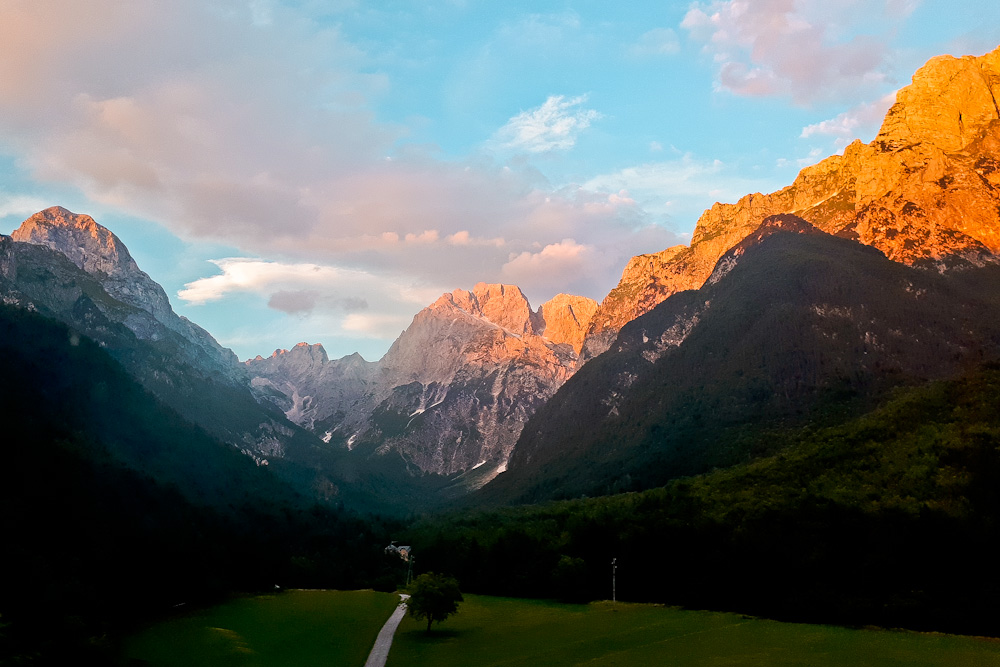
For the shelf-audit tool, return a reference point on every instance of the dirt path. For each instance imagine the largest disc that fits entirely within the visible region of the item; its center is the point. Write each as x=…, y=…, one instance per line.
x=380, y=651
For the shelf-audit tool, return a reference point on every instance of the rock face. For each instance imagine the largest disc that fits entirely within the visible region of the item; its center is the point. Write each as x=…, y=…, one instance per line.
x=70, y=268
x=452, y=393
x=567, y=318
x=97, y=251
x=310, y=388
x=926, y=191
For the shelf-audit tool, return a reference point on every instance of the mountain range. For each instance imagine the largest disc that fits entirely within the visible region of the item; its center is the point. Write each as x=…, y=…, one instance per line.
x=820, y=362
x=452, y=393
x=924, y=194
x=874, y=268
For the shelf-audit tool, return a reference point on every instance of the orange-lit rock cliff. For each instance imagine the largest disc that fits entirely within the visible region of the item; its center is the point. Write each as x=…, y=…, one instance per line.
x=925, y=191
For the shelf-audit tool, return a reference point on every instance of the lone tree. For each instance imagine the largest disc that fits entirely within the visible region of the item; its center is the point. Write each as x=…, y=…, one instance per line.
x=434, y=597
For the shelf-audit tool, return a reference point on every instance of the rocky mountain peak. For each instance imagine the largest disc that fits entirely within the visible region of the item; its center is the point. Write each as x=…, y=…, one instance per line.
x=926, y=191
x=302, y=354
x=90, y=246
x=503, y=305
x=452, y=393
x=948, y=122
x=100, y=253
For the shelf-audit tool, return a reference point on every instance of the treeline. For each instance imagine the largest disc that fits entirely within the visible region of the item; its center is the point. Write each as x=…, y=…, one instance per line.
x=892, y=519
x=115, y=509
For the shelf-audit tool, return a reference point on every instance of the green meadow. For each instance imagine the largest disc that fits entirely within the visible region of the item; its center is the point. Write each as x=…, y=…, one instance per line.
x=336, y=628
x=301, y=628
x=500, y=631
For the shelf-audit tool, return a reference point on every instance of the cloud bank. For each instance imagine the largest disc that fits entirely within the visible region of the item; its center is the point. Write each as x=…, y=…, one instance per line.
x=863, y=119
x=252, y=125
x=811, y=50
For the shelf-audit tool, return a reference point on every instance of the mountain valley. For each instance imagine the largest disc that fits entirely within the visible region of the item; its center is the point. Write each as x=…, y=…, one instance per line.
x=784, y=411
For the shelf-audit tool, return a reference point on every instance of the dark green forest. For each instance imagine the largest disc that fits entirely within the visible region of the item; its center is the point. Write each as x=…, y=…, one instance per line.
x=890, y=519
x=115, y=509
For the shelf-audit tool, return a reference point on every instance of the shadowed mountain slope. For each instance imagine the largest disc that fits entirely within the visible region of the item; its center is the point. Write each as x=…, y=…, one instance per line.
x=925, y=191
x=791, y=328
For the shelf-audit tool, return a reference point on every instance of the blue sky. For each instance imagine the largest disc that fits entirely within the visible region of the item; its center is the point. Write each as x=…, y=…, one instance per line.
x=319, y=171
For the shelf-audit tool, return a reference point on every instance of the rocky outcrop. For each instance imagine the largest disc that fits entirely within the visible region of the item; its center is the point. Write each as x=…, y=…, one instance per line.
x=567, y=318
x=69, y=268
x=309, y=387
x=926, y=191
x=452, y=393
x=97, y=251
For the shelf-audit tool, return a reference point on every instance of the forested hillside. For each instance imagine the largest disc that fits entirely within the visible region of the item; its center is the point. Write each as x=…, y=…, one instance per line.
x=115, y=508
x=891, y=519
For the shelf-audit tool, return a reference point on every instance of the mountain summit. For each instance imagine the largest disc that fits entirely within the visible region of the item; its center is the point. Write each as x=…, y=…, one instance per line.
x=926, y=191
x=452, y=393
x=100, y=253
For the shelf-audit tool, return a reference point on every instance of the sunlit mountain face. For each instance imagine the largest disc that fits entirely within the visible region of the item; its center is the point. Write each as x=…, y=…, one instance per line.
x=508, y=298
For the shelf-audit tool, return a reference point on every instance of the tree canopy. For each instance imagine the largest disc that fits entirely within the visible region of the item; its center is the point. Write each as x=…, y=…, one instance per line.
x=434, y=597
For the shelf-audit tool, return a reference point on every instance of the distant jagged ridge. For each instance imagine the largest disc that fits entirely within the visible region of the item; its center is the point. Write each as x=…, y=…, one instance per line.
x=452, y=393
x=925, y=191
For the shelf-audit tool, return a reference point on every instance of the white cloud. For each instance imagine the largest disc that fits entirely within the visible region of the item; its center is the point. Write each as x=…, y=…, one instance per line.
x=556, y=262
x=864, y=119
x=656, y=42
x=341, y=301
x=680, y=190
x=265, y=141
x=555, y=125
x=259, y=276
x=811, y=50
x=21, y=205
x=386, y=325
x=296, y=287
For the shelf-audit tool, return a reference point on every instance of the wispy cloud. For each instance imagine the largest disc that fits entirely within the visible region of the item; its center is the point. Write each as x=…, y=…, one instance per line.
x=811, y=50
x=864, y=119
x=655, y=42
x=680, y=189
x=343, y=298
x=20, y=205
x=555, y=125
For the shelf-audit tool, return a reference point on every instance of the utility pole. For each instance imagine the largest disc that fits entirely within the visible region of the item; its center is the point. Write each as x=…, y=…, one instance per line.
x=614, y=572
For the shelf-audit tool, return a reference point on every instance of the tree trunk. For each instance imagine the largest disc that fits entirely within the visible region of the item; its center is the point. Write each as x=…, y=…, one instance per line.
x=429, y=621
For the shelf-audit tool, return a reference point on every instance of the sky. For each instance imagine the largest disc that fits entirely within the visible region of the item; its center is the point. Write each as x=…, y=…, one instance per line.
x=319, y=171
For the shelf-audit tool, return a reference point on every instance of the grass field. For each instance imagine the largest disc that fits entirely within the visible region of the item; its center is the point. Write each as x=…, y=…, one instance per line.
x=497, y=631
x=337, y=629
x=301, y=628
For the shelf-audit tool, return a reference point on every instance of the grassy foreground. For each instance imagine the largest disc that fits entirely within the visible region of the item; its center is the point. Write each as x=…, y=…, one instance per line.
x=501, y=631
x=338, y=628
x=299, y=628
